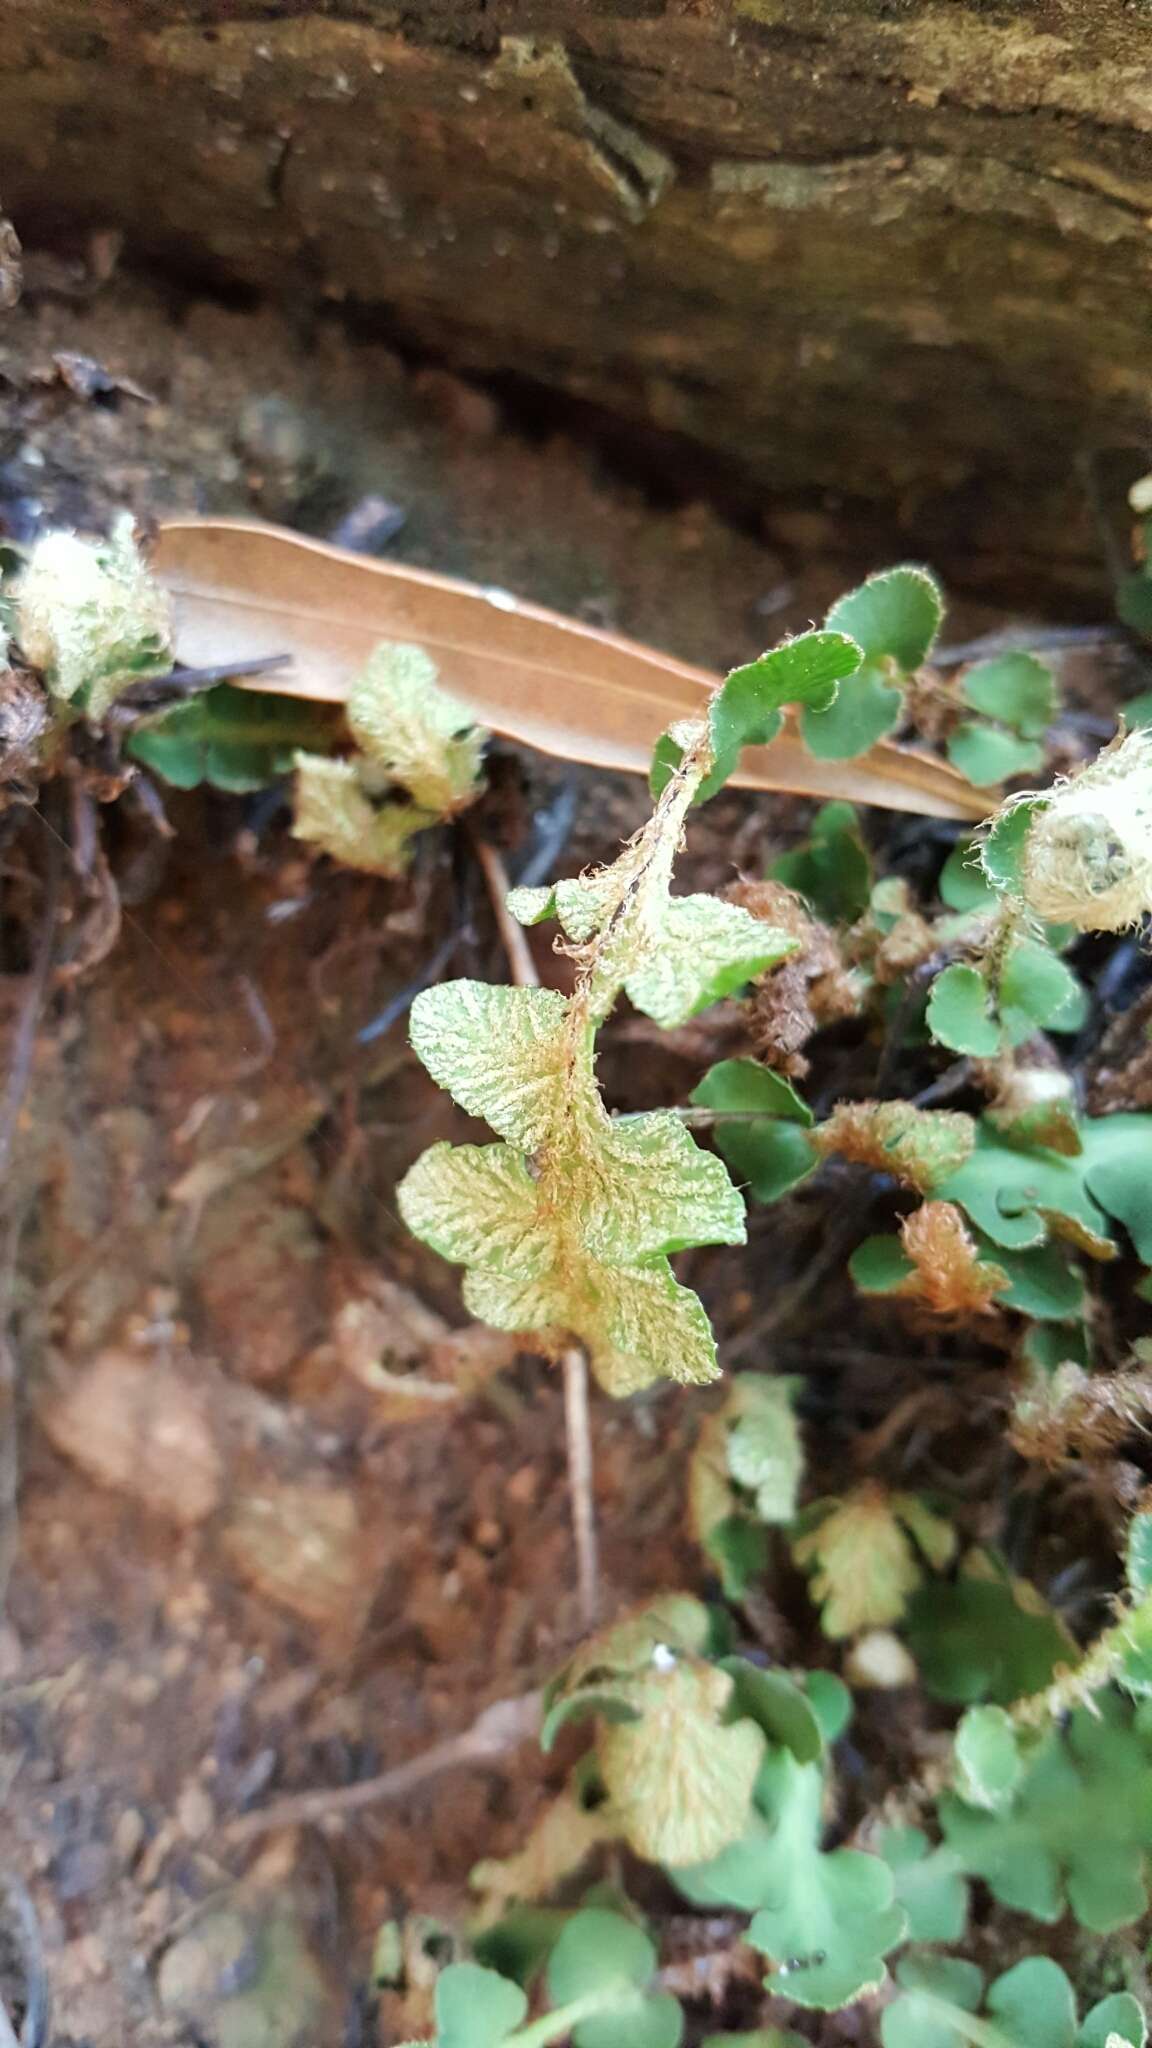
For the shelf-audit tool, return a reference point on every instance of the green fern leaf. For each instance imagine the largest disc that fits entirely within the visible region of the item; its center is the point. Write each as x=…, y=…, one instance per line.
x=567, y=1228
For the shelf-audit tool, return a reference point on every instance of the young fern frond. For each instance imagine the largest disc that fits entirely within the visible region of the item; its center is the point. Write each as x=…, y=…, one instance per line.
x=567, y=1226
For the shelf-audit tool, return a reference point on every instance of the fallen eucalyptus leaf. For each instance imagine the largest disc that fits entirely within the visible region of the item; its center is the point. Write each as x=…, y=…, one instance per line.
x=241, y=589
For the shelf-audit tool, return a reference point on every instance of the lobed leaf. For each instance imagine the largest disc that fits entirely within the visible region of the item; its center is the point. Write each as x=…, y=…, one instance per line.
x=961, y=1013
x=333, y=812
x=576, y=1239
x=987, y=754
x=410, y=728
x=825, y=1921
x=863, y=1550
x=1017, y=689
x=680, y=1779
x=894, y=617
x=1031, y=2005
x=746, y=710
x=1076, y=1828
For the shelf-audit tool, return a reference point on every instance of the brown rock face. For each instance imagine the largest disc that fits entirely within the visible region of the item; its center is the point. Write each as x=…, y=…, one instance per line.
x=900, y=252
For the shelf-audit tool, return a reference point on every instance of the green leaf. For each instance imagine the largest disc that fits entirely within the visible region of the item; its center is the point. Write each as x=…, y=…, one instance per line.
x=879, y=1265
x=476, y=2008
x=579, y=1241
x=833, y=870
x=894, y=618
x=928, y=1884
x=1118, y=2016
x=987, y=755
x=1138, y=1555
x=777, y=1706
x=750, y=1446
x=988, y=1760
x=1115, y=1163
x=866, y=710
x=236, y=740
x=919, y=2017
x=769, y=1158
x=746, y=1086
x=1030, y=2006
x=825, y=1921
x=896, y=614
x=963, y=884
x=960, y=1013
x=603, y=1953
x=1002, y=848
x=1017, y=689
x=746, y=710
x=765, y=1451
x=1134, y=602
x=761, y=2037
x=739, y=1549
x=1036, y=2004
x=975, y=1639
x=332, y=810
x=413, y=731
x=1037, y=989
x=1077, y=1829
x=1042, y=1282
x=831, y=1702
x=1008, y=1193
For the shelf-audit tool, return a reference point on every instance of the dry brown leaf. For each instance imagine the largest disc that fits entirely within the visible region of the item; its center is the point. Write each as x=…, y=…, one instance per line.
x=950, y=1276
x=242, y=590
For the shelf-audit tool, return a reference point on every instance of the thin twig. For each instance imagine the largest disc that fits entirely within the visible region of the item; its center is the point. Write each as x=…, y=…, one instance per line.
x=581, y=1490
x=501, y=1728
x=580, y=1486
x=157, y=693
x=521, y=965
x=1030, y=640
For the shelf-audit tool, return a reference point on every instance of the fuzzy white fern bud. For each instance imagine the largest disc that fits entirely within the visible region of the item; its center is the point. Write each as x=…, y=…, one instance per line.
x=91, y=617
x=1088, y=854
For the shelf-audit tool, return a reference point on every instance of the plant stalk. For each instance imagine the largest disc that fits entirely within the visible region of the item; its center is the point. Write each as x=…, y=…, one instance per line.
x=578, y=1432
x=617, y=1999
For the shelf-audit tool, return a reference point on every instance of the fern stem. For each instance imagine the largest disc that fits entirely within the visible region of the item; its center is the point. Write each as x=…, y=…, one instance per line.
x=578, y=1432
x=969, y=2027
x=616, y=1999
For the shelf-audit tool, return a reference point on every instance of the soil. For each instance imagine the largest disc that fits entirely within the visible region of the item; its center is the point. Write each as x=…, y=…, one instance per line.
x=285, y=1520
